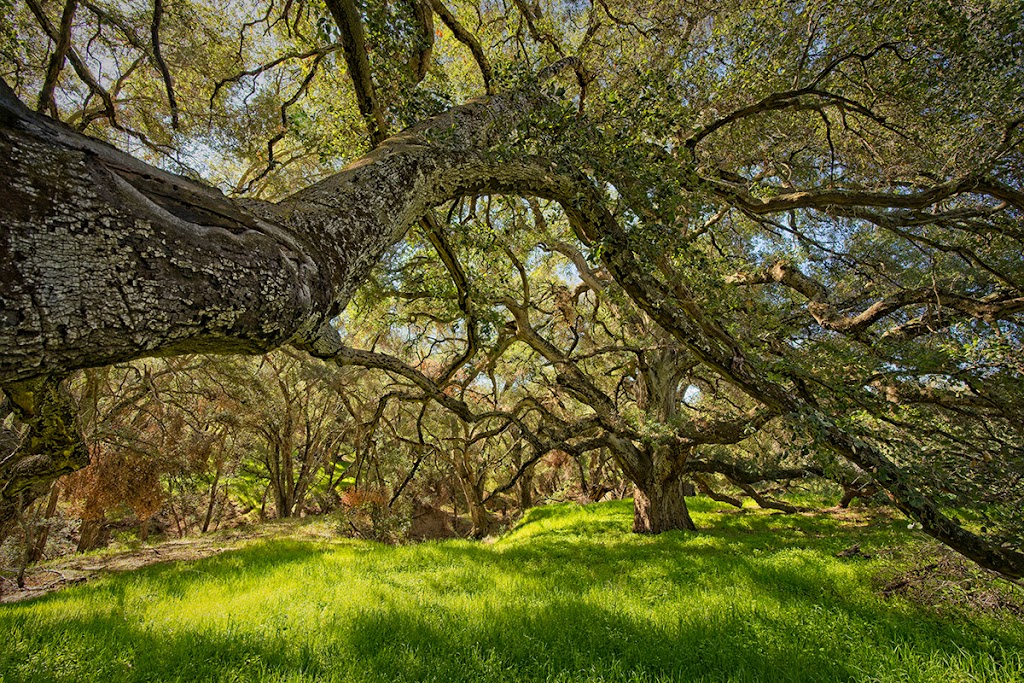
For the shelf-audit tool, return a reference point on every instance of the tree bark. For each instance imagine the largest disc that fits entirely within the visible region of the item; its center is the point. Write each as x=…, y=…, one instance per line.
x=52, y=447
x=659, y=496
x=661, y=506
x=104, y=258
x=92, y=535
x=39, y=548
x=212, y=499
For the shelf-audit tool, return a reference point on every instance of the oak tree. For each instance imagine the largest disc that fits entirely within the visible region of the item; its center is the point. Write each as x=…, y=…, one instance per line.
x=820, y=204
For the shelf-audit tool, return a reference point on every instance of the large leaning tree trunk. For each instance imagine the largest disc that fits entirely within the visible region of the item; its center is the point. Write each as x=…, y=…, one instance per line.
x=104, y=258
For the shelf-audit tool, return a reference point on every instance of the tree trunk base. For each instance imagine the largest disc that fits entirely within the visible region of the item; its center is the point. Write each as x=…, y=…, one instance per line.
x=661, y=508
x=94, y=534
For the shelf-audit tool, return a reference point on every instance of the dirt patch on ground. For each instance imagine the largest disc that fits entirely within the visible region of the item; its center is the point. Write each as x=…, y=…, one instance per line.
x=74, y=570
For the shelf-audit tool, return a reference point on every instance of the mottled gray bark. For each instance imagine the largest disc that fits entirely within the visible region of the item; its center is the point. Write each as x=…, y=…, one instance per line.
x=104, y=258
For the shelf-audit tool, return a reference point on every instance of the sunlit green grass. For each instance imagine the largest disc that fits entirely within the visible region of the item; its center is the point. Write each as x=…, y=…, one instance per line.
x=569, y=595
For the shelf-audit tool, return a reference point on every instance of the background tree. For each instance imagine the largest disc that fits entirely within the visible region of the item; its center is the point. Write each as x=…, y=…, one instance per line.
x=541, y=321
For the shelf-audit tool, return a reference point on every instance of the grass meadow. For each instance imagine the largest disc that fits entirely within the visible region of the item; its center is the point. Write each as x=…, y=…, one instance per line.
x=567, y=595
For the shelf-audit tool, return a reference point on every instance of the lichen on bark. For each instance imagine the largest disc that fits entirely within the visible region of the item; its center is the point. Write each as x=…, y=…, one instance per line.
x=52, y=445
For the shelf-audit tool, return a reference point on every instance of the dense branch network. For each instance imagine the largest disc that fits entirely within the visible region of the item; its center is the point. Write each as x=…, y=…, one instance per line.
x=106, y=259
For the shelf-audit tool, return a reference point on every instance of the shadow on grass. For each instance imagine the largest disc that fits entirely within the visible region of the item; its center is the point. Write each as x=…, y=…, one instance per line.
x=578, y=600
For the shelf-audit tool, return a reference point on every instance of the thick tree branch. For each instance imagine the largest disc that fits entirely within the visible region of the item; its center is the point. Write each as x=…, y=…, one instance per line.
x=124, y=260
x=423, y=15
x=766, y=502
x=469, y=40
x=705, y=488
x=790, y=99
x=991, y=307
x=741, y=475
x=827, y=199
x=161, y=65
x=353, y=41
x=594, y=279
x=784, y=273
x=56, y=65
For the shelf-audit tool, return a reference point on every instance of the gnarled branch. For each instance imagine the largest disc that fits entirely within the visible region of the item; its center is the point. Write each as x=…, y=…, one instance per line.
x=469, y=40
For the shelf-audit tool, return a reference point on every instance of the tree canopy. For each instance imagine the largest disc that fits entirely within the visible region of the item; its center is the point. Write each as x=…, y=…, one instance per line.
x=666, y=230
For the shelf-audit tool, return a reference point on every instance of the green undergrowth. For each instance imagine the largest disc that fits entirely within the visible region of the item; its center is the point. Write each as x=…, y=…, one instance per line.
x=567, y=595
